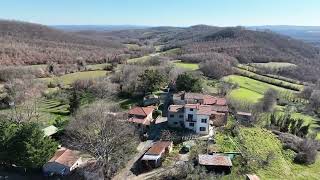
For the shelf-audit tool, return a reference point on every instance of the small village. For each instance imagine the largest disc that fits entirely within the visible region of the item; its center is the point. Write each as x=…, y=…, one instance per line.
x=194, y=116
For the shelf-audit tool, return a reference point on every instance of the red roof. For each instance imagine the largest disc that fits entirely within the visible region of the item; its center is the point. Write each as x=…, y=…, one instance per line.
x=214, y=160
x=159, y=147
x=141, y=111
x=66, y=157
x=205, y=110
x=209, y=100
x=221, y=102
x=176, y=108
x=220, y=108
x=139, y=120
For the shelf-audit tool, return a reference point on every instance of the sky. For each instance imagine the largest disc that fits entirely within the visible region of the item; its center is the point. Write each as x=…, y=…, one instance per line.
x=163, y=12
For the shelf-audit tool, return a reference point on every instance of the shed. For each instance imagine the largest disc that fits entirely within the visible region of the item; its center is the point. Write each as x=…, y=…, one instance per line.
x=244, y=117
x=152, y=158
x=50, y=130
x=216, y=162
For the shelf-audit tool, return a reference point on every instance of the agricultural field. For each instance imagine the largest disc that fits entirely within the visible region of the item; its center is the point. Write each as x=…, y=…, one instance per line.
x=188, y=66
x=270, y=80
x=70, y=78
x=274, y=65
x=132, y=47
x=139, y=59
x=260, y=143
x=250, y=89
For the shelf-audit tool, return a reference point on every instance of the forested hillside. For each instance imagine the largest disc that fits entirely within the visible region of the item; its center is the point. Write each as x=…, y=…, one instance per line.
x=27, y=43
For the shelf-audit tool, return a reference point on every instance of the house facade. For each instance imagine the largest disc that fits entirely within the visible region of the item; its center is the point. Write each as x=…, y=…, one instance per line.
x=199, y=114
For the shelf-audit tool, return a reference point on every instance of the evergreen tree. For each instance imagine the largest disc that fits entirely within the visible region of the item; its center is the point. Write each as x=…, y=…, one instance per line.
x=189, y=83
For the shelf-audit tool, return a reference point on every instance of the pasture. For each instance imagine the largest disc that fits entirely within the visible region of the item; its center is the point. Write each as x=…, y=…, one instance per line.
x=187, y=66
x=70, y=78
x=274, y=65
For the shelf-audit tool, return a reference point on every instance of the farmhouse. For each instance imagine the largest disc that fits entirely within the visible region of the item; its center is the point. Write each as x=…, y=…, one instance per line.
x=199, y=118
x=216, y=162
x=141, y=116
x=183, y=98
x=63, y=162
x=152, y=158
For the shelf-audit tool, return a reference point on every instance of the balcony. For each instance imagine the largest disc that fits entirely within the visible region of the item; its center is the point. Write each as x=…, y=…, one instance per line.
x=190, y=120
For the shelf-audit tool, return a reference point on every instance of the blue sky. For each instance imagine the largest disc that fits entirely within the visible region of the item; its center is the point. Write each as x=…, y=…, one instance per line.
x=164, y=12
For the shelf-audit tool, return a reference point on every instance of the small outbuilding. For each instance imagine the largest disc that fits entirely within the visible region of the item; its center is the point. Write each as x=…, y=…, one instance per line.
x=63, y=162
x=152, y=158
x=50, y=130
x=218, y=163
x=244, y=118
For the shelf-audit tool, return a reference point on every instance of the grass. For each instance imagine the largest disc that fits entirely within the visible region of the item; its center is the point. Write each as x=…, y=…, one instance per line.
x=188, y=66
x=139, y=59
x=270, y=80
x=274, y=65
x=250, y=89
x=257, y=143
x=132, y=46
x=97, y=66
x=70, y=78
x=245, y=95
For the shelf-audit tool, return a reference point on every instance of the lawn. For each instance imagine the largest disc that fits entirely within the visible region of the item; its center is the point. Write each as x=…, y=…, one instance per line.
x=257, y=143
x=70, y=78
x=188, y=66
x=250, y=89
x=245, y=95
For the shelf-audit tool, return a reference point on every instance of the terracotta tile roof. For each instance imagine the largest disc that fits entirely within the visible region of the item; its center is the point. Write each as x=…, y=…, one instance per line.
x=194, y=106
x=139, y=120
x=220, y=108
x=193, y=96
x=221, y=101
x=214, y=160
x=159, y=147
x=252, y=177
x=209, y=100
x=176, y=108
x=66, y=157
x=205, y=110
x=141, y=111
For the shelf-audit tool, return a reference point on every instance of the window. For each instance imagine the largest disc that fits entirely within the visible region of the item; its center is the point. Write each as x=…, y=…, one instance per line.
x=172, y=115
x=175, y=122
x=202, y=129
x=191, y=124
x=180, y=116
x=190, y=117
x=191, y=109
x=204, y=120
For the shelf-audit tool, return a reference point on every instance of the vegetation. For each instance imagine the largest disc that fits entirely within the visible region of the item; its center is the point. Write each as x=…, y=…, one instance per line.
x=188, y=82
x=24, y=144
x=152, y=80
x=188, y=66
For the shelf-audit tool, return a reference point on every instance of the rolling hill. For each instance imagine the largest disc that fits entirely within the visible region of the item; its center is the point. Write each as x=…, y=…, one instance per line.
x=27, y=43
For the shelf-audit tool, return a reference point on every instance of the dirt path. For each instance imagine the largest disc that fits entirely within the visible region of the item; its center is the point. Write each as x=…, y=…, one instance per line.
x=125, y=173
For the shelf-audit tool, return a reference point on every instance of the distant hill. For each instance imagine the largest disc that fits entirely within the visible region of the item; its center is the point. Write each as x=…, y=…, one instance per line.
x=27, y=43
x=97, y=27
x=310, y=34
x=201, y=42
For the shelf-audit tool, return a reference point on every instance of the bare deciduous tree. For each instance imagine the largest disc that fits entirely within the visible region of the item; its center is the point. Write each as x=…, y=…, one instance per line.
x=104, y=134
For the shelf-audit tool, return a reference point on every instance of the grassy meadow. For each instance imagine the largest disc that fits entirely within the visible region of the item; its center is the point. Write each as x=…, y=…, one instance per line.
x=187, y=66
x=70, y=78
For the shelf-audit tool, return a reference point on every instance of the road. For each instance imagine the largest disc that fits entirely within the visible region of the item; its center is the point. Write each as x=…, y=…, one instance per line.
x=126, y=173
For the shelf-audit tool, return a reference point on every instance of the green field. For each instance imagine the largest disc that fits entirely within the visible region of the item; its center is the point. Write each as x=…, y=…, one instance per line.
x=188, y=66
x=132, y=46
x=139, y=59
x=70, y=78
x=245, y=95
x=250, y=89
x=257, y=143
